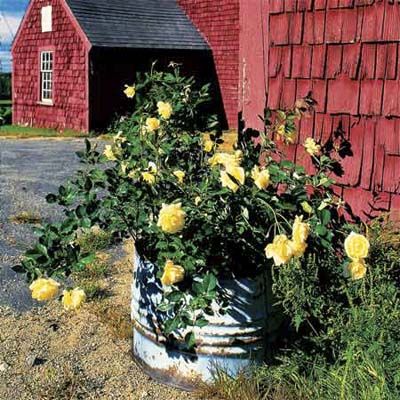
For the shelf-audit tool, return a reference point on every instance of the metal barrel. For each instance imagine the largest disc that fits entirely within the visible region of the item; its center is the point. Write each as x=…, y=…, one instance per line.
x=232, y=341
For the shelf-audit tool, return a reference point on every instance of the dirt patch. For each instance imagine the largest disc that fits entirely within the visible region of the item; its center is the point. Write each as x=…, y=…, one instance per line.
x=48, y=353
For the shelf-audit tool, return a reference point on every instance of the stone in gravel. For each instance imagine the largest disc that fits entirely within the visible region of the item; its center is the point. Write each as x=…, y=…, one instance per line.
x=3, y=367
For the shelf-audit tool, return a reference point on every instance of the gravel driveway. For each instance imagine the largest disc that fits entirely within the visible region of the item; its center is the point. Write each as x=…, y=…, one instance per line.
x=29, y=169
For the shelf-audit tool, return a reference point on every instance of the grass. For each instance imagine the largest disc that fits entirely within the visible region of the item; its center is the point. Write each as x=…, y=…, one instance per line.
x=26, y=217
x=91, y=280
x=94, y=240
x=5, y=103
x=24, y=132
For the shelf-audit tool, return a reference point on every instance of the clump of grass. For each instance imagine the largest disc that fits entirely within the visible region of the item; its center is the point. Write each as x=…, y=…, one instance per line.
x=91, y=279
x=224, y=387
x=94, y=290
x=94, y=240
x=26, y=217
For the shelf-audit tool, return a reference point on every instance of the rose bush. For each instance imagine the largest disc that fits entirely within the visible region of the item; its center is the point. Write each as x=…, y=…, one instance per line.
x=201, y=214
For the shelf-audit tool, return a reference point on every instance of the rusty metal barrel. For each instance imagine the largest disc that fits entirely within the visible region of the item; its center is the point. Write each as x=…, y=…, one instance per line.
x=232, y=341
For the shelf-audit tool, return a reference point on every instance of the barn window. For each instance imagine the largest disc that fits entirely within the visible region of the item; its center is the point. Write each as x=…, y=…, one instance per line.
x=47, y=19
x=46, y=77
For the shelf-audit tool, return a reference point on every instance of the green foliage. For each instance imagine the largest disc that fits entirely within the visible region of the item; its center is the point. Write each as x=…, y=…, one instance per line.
x=348, y=340
x=226, y=228
x=5, y=115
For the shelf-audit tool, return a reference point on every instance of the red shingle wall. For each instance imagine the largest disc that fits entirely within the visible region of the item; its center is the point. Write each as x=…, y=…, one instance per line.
x=218, y=21
x=69, y=77
x=347, y=53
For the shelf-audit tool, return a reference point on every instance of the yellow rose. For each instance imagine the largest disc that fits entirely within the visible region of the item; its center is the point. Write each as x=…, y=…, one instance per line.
x=164, y=109
x=356, y=270
x=152, y=124
x=280, y=250
x=237, y=173
x=226, y=159
x=44, y=289
x=311, y=147
x=171, y=218
x=261, y=177
x=301, y=230
x=306, y=207
x=356, y=246
x=73, y=299
x=172, y=274
x=180, y=175
x=109, y=153
x=149, y=178
x=130, y=91
x=298, y=248
x=208, y=146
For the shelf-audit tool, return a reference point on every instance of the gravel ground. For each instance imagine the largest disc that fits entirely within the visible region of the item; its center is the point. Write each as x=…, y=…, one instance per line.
x=45, y=352
x=29, y=169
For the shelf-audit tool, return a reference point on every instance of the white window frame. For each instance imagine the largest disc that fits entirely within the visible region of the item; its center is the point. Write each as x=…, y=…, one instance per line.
x=47, y=18
x=46, y=76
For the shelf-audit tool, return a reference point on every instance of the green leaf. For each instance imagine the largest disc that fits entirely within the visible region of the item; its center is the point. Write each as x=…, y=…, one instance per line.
x=321, y=230
x=326, y=216
x=201, y=322
x=41, y=249
x=209, y=283
x=88, y=259
x=19, y=269
x=51, y=198
x=190, y=340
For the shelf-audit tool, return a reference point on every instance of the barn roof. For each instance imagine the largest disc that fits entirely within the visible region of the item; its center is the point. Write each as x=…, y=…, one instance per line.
x=150, y=24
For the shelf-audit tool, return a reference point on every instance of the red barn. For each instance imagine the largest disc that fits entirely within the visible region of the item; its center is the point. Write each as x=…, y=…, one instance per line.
x=346, y=52
x=265, y=53
x=71, y=58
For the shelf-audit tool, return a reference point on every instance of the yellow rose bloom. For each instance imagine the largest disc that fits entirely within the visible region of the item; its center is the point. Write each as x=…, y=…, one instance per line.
x=180, y=175
x=301, y=230
x=171, y=218
x=152, y=124
x=73, y=299
x=356, y=246
x=226, y=159
x=280, y=250
x=149, y=178
x=226, y=180
x=130, y=91
x=109, y=153
x=311, y=147
x=172, y=274
x=261, y=177
x=306, y=207
x=164, y=109
x=208, y=146
x=298, y=248
x=356, y=270
x=44, y=289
